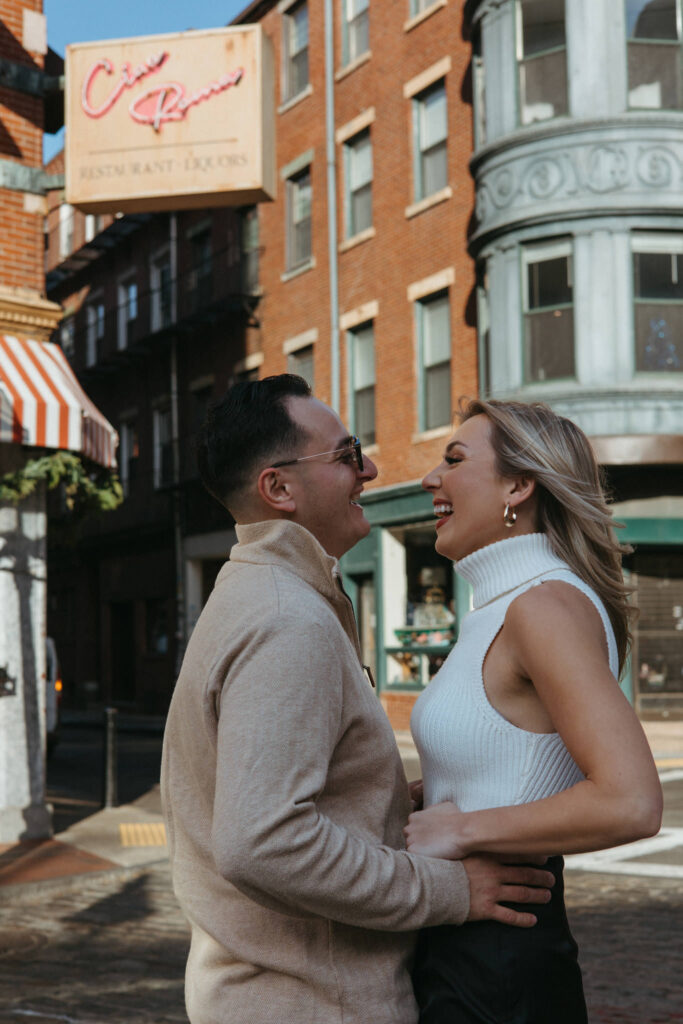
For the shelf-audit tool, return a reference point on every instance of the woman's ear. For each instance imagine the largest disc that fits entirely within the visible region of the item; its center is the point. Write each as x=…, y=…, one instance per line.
x=520, y=490
x=275, y=491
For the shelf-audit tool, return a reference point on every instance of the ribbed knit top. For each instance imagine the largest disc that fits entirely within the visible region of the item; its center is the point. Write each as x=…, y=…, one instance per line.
x=469, y=752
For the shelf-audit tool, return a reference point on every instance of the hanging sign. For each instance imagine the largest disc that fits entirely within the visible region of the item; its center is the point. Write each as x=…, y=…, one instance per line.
x=170, y=122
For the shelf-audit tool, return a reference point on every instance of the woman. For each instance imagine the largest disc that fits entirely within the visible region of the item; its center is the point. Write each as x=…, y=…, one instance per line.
x=528, y=746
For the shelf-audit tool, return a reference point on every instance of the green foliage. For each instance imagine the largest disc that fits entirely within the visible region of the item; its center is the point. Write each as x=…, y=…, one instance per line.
x=86, y=489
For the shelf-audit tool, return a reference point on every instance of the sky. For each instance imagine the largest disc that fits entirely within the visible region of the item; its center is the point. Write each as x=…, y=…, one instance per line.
x=81, y=21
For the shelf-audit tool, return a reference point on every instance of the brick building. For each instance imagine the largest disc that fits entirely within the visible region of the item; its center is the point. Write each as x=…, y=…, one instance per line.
x=356, y=276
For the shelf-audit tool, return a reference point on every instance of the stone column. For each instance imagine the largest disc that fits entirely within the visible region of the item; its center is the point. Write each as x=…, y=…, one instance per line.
x=24, y=813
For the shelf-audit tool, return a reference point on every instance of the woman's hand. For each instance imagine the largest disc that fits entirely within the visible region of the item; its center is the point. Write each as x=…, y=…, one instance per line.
x=438, y=832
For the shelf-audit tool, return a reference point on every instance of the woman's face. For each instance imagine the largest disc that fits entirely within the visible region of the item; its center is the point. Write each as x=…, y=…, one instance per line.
x=468, y=494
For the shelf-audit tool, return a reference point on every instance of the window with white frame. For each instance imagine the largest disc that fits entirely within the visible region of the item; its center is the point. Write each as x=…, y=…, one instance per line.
x=548, y=311
x=658, y=304
x=478, y=91
x=67, y=336
x=434, y=360
x=356, y=29
x=250, y=249
x=127, y=311
x=654, y=54
x=542, y=59
x=93, y=222
x=358, y=179
x=295, y=41
x=94, y=329
x=300, y=362
x=299, y=201
x=128, y=454
x=362, y=366
x=418, y=6
x=161, y=288
x=430, y=126
x=66, y=230
x=163, y=445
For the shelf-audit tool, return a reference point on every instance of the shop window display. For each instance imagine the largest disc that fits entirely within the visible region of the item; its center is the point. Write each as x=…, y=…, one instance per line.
x=419, y=616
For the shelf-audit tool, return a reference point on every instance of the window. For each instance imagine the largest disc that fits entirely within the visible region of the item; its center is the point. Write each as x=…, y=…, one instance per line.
x=127, y=311
x=163, y=446
x=658, y=305
x=362, y=361
x=295, y=28
x=478, y=91
x=299, y=199
x=161, y=286
x=301, y=363
x=654, y=54
x=93, y=224
x=250, y=250
x=356, y=29
x=358, y=167
x=542, y=59
x=66, y=230
x=157, y=623
x=418, y=6
x=434, y=350
x=129, y=453
x=548, y=312
x=200, y=281
x=431, y=132
x=95, y=323
x=67, y=336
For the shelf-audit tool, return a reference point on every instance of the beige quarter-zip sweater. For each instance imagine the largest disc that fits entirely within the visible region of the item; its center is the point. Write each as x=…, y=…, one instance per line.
x=285, y=798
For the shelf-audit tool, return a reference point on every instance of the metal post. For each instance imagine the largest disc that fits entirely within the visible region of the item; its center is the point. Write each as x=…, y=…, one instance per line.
x=110, y=759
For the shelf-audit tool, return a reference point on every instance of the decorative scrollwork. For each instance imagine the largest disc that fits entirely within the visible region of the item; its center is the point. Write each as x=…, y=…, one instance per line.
x=608, y=169
x=657, y=166
x=544, y=178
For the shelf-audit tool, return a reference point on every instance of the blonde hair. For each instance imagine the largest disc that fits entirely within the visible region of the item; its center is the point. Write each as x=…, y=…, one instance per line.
x=531, y=439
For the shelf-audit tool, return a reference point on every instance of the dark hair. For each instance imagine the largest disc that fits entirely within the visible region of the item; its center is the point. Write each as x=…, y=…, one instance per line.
x=249, y=426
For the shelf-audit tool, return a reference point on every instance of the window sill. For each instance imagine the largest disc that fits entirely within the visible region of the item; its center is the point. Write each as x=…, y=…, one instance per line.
x=362, y=236
x=426, y=204
x=288, y=104
x=432, y=435
x=423, y=15
x=371, y=449
x=296, y=271
x=350, y=68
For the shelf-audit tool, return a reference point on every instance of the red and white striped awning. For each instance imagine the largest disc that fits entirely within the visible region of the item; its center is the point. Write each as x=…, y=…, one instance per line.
x=42, y=404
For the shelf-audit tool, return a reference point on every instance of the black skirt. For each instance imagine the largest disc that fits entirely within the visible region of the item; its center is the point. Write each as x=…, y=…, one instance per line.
x=484, y=972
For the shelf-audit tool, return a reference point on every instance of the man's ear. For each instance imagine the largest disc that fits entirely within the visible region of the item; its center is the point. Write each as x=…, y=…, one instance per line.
x=520, y=490
x=274, y=489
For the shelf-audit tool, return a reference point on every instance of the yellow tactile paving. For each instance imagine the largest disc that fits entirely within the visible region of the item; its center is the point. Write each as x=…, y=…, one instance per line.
x=143, y=834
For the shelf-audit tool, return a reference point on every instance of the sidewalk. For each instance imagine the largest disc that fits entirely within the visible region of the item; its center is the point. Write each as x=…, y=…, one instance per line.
x=128, y=839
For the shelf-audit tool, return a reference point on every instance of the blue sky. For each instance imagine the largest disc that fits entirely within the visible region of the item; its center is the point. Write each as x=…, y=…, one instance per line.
x=80, y=21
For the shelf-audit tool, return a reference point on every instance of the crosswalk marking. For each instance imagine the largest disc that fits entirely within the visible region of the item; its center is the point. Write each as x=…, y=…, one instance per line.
x=619, y=859
x=143, y=834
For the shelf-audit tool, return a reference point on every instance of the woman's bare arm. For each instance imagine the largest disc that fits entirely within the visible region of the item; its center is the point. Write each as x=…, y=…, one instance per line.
x=556, y=637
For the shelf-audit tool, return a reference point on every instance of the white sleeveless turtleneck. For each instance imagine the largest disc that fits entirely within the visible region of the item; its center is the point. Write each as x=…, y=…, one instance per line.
x=469, y=752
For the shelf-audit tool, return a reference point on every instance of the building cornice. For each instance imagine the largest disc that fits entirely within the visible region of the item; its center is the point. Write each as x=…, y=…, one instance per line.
x=28, y=314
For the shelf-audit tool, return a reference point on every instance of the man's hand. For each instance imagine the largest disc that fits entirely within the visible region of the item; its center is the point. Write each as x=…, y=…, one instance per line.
x=492, y=882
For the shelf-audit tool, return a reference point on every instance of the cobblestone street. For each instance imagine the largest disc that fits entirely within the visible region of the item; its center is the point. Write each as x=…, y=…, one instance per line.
x=112, y=950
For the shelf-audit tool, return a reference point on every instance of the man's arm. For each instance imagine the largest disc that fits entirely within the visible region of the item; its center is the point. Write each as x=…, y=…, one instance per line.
x=279, y=725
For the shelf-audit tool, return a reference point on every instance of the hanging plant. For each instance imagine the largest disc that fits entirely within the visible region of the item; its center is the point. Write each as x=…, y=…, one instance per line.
x=85, y=489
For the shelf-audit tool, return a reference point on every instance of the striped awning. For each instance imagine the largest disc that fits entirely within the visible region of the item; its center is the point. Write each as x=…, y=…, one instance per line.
x=43, y=405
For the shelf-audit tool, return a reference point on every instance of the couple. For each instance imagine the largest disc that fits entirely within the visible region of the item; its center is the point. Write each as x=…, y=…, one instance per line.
x=287, y=809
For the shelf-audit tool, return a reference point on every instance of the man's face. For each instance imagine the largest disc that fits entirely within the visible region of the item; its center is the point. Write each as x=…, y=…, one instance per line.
x=326, y=489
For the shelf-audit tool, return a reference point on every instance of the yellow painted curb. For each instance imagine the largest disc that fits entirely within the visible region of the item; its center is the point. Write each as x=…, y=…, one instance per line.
x=145, y=834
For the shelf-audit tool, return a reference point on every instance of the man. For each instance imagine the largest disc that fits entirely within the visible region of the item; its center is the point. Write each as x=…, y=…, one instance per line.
x=283, y=789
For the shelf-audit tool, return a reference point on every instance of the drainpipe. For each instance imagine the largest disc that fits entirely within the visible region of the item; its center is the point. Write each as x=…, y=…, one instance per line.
x=175, y=448
x=331, y=158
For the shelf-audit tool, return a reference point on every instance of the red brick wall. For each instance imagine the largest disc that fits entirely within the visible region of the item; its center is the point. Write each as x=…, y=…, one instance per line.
x=403, y=250
x=21, y=135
